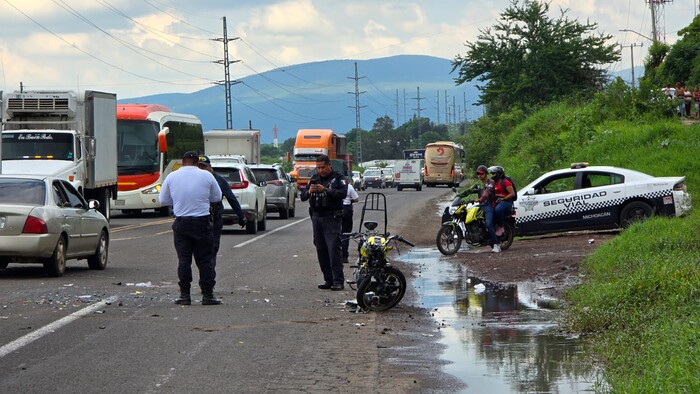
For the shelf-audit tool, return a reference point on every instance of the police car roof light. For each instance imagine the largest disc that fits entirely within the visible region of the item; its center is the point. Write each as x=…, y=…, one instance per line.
x=579, y=165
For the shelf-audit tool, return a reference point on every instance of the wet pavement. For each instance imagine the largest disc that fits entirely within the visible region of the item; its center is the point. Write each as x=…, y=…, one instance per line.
x=498, y=338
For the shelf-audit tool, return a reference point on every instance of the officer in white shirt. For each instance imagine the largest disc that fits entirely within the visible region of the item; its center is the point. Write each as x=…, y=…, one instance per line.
x=191, y=191
x=350, y=199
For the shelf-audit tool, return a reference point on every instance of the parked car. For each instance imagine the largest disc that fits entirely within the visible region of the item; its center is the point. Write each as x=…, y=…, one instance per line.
x=45, y=220
x=596, y=197
x=249, y=193
x=280, y=192
x=358, y=181
x=375, y=178
x=388, y=176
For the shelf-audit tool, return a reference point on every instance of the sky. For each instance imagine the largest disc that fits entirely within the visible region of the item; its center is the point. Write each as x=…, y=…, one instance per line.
x=142, y=47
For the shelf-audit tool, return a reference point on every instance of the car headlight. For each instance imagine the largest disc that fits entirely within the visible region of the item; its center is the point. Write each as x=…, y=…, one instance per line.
x=154, y=190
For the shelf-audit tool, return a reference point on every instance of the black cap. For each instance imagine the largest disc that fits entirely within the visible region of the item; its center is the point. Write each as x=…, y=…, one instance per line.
x=204, y=160
x=191, y=155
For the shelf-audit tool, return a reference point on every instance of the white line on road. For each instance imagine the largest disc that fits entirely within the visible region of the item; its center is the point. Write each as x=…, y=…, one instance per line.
x=268, y=233
x=49, y=328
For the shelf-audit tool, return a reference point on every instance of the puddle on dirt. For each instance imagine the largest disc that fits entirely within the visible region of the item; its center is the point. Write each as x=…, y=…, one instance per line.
x=500, y=339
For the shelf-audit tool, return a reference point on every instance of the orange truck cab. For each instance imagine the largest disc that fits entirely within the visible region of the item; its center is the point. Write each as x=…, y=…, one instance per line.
x=311, y=143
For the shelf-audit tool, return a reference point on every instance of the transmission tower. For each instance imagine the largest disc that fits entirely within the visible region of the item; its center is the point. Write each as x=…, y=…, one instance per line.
x=657, y=19
x=227, y=75
x=357, y=113
x=418, y=98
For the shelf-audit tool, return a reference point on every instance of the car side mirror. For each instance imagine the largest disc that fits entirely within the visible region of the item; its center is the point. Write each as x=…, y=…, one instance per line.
x=94, y=204
x=529, y=192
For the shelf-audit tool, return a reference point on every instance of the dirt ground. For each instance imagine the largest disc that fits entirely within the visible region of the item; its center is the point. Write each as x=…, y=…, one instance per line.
x=552, y=260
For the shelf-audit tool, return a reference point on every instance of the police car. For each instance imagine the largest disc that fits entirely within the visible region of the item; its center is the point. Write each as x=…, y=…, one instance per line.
x=596, y=197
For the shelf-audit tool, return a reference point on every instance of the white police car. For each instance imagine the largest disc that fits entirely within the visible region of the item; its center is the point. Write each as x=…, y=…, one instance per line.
x=596, y=197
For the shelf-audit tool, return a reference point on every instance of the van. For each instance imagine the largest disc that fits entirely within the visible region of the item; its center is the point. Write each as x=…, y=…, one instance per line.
x=408, y=173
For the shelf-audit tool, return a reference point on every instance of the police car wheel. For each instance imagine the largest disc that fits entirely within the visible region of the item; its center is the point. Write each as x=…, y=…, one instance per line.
x=636, y=211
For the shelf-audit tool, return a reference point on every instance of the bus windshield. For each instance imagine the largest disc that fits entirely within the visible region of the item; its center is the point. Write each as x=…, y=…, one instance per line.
x=137, y=147
x=37, y=145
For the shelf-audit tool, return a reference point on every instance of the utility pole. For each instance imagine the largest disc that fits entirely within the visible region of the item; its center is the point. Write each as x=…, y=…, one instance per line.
x=464, y=97
x=438, y=107
x=447, y=109
x=658, y=32
x=418, y=98
x=357, y=114
x=227, y=75
x=397, y=107
x=631, y=47
x=405, y=119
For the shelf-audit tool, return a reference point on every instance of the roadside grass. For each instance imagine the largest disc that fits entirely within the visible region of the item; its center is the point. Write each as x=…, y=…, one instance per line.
x=639, y=304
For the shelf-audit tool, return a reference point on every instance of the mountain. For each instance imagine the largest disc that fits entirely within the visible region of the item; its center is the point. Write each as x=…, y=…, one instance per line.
x=322, y=95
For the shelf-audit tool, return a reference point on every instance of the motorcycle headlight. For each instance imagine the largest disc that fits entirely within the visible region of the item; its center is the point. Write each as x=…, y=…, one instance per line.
x=452, y=209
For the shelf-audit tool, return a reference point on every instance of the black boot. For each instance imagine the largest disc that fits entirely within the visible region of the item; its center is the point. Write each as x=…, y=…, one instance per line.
x=184, y=299
x=208, y=298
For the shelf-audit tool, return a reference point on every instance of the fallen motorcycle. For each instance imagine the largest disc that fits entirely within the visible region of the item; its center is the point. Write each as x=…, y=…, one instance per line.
x=465, y=221
x=380, y=285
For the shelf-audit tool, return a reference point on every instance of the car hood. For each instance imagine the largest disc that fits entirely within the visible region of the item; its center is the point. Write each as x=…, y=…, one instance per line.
x=37, y=167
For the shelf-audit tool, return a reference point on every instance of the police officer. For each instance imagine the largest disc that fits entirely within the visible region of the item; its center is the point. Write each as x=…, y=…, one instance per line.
x=190, y=191
x=217, y=208
x=325, y=192
x=350, y=199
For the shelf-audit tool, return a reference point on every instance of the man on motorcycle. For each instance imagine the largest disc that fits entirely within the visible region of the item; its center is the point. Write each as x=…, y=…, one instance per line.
x=504, y=193
x=487, y=201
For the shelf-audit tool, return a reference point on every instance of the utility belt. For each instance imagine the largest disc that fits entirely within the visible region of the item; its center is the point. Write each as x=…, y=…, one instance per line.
x=328, y=213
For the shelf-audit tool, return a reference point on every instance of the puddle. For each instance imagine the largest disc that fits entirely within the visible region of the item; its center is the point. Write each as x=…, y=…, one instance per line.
x=499, y=339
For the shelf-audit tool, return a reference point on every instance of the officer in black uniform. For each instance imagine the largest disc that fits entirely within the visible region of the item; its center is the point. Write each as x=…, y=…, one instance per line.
x=325, y=192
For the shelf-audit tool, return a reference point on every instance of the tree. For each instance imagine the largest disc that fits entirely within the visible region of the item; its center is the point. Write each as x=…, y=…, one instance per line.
x=529, y=59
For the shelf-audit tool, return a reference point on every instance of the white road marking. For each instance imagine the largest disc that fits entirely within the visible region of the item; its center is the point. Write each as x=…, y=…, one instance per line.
x=49, y=328
x=268, y=233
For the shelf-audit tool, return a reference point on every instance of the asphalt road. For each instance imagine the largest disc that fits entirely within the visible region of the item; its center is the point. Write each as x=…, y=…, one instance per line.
x=117, y=330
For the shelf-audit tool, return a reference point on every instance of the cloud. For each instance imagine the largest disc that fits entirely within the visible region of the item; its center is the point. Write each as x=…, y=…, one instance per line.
x=300, y=16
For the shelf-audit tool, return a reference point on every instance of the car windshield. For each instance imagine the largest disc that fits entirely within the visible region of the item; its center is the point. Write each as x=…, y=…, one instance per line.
x=371, y=173
x=265, y=174
x=22, y=191
x=232, y=175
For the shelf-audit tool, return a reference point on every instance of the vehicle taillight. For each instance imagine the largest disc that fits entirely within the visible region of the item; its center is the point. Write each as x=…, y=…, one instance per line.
x=275, y=182
x=425, y=172
x=240, y=185
x=398, y=175
x=679, y=187
x=34, y=225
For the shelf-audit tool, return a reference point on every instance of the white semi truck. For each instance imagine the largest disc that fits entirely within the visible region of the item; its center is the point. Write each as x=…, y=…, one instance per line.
x=64, y=134
x=224, y=145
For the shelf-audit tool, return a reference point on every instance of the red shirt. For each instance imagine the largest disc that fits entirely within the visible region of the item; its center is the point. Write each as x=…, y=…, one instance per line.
x=499, y=190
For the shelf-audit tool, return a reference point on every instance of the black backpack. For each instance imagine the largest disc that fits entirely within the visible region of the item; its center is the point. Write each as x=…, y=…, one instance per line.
x=515, y=189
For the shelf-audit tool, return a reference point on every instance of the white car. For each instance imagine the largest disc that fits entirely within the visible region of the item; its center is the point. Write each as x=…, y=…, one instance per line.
x=249, y=193
x=358, y=181
x=388, y=176
x=596, y=197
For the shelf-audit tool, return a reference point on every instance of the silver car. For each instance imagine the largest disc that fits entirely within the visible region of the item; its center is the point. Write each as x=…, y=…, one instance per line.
x=45, y=220
x=280, y=191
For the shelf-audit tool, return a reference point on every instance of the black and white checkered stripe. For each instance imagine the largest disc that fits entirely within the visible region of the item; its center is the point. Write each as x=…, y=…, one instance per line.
x=591, y=207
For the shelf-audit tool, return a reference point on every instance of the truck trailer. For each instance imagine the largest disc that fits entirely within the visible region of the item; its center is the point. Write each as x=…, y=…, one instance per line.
x=67, y=134
x=228, y=144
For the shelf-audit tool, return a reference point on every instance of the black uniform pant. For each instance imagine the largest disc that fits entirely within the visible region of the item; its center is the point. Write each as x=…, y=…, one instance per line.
x=217, y=214
x=327, y=240
x=193, y=237
x=346, y=228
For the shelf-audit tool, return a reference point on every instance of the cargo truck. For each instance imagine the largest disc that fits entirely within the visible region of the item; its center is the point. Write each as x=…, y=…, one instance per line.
x=311, y=143
x=223, y=145
x=66, y=134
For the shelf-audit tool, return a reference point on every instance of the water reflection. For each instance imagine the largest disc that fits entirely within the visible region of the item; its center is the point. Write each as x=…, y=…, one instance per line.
x=498, y=338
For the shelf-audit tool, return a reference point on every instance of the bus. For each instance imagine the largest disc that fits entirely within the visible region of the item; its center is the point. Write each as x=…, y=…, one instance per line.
x=151, y=140
x=444, y=161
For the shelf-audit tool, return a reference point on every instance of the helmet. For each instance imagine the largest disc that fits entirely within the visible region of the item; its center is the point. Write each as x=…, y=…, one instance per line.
x=481, y=169
x=496, y=171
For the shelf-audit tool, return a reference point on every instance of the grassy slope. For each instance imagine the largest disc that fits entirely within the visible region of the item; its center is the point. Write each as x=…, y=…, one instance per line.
x=640, y=301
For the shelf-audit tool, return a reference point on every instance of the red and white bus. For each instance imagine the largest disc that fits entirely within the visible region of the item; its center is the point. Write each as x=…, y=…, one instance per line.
x=151, y=140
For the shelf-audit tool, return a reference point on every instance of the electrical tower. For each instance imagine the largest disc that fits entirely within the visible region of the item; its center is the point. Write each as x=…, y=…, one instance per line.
x=227, y=75
x=657, y=18
x=418, y=98
x=357, y=113
x=275, y=143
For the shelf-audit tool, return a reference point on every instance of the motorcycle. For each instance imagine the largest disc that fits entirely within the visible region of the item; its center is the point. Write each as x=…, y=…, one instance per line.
x=380, y=285
x=465, y=221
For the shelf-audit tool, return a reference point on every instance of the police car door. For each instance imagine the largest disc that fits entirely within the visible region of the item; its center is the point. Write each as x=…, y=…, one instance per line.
x=599, y=198
x=550, y=206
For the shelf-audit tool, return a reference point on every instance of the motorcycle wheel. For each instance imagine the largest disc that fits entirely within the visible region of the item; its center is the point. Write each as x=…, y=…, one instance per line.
x=449, y=239
x=380, y=294
x=506, y=239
